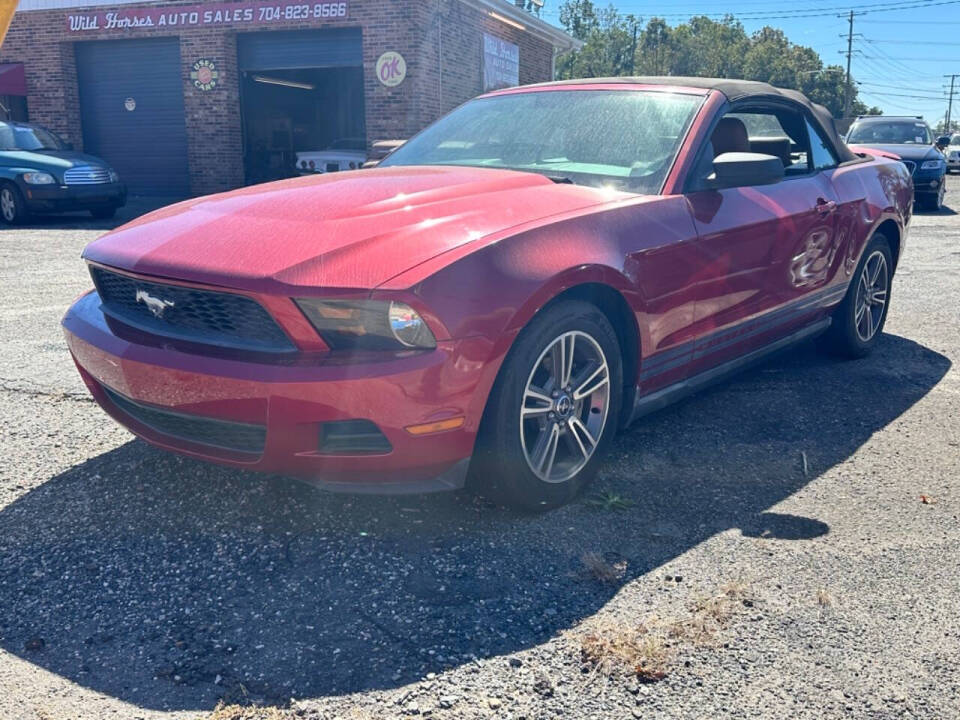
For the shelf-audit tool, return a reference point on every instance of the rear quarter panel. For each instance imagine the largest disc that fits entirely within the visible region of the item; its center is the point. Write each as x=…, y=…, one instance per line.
x=871, y=193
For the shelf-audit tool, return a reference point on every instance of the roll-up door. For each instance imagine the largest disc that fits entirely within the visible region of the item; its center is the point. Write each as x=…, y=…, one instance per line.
x=131, y=109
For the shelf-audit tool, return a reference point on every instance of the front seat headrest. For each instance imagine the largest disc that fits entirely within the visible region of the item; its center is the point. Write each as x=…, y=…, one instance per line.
x=730, y=135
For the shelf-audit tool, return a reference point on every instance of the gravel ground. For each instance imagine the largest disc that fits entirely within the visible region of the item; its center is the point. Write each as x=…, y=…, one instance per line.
x=762, y=549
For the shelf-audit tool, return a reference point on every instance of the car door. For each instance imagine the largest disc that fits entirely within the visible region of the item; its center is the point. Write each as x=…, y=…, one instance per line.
x=762, y=249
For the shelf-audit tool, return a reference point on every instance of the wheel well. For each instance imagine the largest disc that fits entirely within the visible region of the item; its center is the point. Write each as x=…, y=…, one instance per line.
x=612, y=304
x=889, y=229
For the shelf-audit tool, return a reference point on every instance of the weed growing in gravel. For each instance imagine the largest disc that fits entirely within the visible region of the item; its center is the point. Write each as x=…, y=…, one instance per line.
x=599, y=569
x=649, y=649
x=607, y=499
x=613, y=649
x=246, y=712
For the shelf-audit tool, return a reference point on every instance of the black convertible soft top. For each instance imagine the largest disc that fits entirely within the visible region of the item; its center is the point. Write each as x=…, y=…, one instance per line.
x=733, y=90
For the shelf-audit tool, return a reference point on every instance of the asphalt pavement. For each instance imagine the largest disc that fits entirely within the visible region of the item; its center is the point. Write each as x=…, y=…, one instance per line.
x=786, y=544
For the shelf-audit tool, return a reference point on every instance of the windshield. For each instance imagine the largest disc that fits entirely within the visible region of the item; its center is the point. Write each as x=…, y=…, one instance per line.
x=621, y=139
x=903, y=132
x=955, y=140
x=27, y=137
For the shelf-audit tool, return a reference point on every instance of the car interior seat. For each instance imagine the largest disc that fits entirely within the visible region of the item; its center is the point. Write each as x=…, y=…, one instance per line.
x=730, y=135
x=777, y=146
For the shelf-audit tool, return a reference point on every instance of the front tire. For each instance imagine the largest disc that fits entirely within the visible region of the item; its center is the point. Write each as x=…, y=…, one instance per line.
x=13, y=209
x=553, y=410
x=934, y=203
x=859, y=319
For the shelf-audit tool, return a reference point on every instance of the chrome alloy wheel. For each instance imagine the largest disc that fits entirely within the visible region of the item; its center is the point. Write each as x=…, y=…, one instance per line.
x=565, y=405
x=871, y=296
x=8, y=204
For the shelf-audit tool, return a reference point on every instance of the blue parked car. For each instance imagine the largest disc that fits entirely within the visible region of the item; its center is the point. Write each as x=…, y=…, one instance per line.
x=39, y=173
x=909, y=138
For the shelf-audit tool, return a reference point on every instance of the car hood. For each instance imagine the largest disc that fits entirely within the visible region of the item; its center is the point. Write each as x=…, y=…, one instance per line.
x=905, y=152
x=343, y=230
x=48, y=159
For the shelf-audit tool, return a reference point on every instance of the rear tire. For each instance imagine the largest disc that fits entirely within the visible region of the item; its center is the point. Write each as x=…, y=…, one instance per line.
x=553, y=410
x=13, y=208
x=858, y=321
x=104, y=213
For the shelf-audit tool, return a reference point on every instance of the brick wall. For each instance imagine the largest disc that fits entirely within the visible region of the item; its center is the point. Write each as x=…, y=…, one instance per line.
x=437, y=80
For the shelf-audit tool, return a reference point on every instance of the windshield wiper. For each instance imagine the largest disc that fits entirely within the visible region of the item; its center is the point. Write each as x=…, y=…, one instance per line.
x=559, y=179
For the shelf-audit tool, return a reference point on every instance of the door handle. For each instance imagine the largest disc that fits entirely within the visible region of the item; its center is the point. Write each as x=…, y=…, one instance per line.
x=825, y=207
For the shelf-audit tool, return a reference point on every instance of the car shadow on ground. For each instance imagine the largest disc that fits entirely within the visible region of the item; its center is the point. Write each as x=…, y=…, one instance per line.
x=170, y=584
x=944, y=211
x=135, y=207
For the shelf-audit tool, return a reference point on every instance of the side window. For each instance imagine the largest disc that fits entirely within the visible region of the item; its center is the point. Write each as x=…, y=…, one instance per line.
x=821, y=153
x=777, y=130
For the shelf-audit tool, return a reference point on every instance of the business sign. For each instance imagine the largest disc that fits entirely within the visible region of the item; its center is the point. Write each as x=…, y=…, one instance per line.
x=501, y=63
x=391, y=68
x=204, y=74
x=203, y=15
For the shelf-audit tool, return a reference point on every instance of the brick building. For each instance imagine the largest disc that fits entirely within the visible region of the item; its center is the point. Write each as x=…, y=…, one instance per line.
x=198, y=97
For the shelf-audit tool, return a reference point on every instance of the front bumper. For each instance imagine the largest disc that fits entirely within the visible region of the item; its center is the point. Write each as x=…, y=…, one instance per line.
x=67, y=198
x=925, y=185
x=291, y=401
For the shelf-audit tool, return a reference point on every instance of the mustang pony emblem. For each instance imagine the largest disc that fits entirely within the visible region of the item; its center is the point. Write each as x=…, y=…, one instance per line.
x=154, y=304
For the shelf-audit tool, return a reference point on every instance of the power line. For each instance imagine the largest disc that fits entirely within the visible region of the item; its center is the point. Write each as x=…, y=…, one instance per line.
x=912, y=97
x=911, y=22
x=811, y=12
x=913, y=42
x=894, y=87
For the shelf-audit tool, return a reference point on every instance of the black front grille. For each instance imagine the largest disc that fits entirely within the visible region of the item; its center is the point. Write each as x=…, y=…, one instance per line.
x=223, y=434
x=183, y=313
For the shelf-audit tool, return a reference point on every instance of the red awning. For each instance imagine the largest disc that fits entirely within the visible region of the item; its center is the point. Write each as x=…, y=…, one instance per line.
x=13, y=81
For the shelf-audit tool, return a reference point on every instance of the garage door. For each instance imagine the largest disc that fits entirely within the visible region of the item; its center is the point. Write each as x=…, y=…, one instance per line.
x=131, y=108
x=291, y=50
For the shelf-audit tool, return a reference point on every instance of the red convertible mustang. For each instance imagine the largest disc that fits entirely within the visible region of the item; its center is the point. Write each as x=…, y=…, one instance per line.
x=532, y=272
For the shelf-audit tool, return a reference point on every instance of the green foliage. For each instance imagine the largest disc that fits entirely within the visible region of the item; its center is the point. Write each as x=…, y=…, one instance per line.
x=607, y=499
x=616, y=44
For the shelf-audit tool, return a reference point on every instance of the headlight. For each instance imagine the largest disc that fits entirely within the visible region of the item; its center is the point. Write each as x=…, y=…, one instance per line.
x=931, y=165
x=39, y=178
x=367, y=324
x=114, y=176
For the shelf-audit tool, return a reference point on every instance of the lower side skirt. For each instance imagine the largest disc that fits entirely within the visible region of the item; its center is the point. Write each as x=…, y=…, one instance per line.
x=646, y=404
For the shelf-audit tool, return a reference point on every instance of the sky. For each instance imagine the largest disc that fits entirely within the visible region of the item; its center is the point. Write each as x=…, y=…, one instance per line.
x=902, y=48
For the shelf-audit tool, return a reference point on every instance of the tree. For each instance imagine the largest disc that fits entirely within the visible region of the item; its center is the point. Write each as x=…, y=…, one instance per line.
x=614, y=45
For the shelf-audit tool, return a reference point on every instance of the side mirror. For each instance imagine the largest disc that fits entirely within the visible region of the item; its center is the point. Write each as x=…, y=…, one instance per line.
x=742, y=169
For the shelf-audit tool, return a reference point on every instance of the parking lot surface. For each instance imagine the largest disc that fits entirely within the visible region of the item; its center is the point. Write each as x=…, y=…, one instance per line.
x=786, y=544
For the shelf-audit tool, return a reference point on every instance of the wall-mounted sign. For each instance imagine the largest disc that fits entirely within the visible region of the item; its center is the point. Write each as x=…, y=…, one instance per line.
x=391, y=68
x=204, y=15
x=130, y=104
x=204, y=74
x=501, y=63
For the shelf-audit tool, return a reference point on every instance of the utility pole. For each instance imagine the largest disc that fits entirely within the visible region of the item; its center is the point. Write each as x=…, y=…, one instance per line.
x=953, y=79
x=848, y=94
